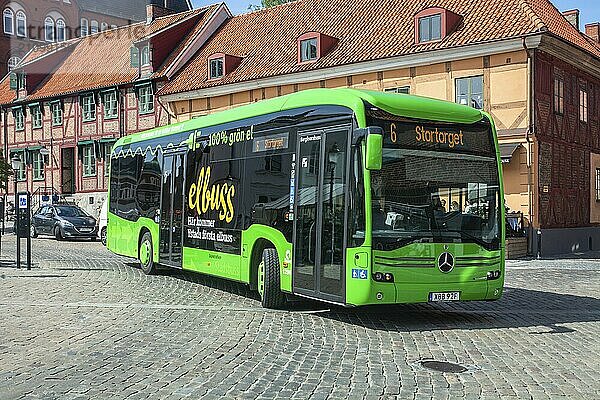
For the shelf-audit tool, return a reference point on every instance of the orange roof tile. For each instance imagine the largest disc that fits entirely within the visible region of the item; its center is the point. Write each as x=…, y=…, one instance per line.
x=96, y=61
x=367, y=30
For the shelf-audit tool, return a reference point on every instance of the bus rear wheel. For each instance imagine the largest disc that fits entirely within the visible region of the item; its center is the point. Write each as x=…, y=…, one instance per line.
x=268, y=280
x=145, y=255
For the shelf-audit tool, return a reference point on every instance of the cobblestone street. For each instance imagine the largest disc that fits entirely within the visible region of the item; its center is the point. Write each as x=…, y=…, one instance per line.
x=86, y=324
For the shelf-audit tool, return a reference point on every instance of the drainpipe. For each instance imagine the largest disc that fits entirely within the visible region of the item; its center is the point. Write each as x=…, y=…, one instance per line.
x=530, y=131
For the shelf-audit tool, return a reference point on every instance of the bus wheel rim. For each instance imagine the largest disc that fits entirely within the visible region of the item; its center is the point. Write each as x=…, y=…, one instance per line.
x=145, y=253
x=261, y=278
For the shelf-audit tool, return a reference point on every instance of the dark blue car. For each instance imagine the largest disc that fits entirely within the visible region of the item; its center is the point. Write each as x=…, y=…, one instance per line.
x=63, y=222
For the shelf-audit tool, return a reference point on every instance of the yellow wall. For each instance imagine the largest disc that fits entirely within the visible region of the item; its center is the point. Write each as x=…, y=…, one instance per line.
x=505, y=87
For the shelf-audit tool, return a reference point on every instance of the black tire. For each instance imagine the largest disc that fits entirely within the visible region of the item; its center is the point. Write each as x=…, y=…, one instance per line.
x=148, y=266
x=58, y=234
x=103, y=236
x=271, y=294
x=32, y=232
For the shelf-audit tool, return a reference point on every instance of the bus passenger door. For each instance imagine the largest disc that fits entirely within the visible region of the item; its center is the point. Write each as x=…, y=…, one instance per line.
x=319, y=234
x=171, y=209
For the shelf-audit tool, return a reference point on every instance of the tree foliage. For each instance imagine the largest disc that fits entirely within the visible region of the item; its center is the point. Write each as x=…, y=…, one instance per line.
x=6, y=171
x=267, y=4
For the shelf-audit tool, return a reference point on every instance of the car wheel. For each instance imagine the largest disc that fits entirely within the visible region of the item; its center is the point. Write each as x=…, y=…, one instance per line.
x=145, y=253
x=32, y=232
x=268, y=280
x=58, y=234
x=103, y=236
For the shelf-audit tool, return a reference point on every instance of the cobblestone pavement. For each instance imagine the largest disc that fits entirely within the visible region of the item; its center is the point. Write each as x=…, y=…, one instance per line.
x=85, y=324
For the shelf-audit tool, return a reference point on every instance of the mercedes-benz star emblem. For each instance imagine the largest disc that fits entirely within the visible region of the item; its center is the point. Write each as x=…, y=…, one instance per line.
x=446, y=262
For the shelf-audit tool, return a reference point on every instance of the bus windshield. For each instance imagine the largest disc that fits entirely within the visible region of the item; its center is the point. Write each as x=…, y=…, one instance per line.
x=441, y=187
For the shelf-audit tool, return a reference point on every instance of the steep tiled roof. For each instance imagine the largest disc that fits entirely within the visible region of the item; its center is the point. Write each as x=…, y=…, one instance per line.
x=134, y=10
x=367, y=30
x=100, y=60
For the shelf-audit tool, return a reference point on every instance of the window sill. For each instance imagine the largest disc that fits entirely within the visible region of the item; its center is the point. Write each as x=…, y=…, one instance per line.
x=110, y=117
x=54, y=125
x=37, y=127
x=309, y=61
x=89, y=120
x=19, y=129
x=89, y=176
x=146, y=112
x=39, y=179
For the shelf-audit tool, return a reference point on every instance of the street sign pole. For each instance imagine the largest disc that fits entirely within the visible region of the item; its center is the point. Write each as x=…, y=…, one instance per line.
x=28, y=224
x=17, y=224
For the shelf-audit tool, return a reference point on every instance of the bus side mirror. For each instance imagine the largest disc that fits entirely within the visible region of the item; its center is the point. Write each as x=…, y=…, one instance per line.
x=374, y=151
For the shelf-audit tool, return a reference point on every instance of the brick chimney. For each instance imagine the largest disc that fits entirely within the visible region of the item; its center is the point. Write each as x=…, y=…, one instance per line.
x=573, y=17
x=154, y=11
x=593, y=31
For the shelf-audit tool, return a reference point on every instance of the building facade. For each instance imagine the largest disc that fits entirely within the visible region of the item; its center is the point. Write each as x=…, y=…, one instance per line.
x=101, y=87
x=503, y=56
x=30, y=23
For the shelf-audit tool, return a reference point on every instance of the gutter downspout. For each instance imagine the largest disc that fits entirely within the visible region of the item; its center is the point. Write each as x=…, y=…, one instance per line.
x=530, y=132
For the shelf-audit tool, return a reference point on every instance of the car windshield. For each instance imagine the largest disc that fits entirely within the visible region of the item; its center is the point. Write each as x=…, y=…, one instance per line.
x=439, y=183
x=70, y=212
x=434, y=197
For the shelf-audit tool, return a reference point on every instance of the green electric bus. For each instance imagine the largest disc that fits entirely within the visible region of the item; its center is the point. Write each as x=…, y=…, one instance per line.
x=347, y=196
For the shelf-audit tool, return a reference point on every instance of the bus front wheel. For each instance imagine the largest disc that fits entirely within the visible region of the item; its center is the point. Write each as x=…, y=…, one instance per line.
x=145, y=255
x=268, y=280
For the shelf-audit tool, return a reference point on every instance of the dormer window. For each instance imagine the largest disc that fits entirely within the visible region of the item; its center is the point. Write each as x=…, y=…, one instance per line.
x=430, y=28
x=308, y=49
x=216, y=68
x=314, y=45
x=221, y=64
x=435, y=23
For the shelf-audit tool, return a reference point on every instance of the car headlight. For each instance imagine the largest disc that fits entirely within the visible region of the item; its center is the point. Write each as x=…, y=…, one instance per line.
x=66, y=223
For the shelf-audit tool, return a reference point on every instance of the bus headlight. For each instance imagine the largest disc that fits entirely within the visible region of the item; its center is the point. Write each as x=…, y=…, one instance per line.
x=383, y=277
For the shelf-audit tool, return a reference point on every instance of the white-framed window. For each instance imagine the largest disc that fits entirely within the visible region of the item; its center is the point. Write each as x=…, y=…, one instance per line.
x=94, y=27
x=19, y=118
x=104, y=26
x=401, y=89
x=583, y=105
x=430, y=28
x=107, y=149
x=146, y=99
x=216, y=68
x=308, y=49
x=110, y=104
x=88, y=107
x=21, y=171
x=36, y=116
x=9, y=21
x=85, y=27
x=61, y=34
x=21, y=24
x=38, y=166
x=13, y=62
x=49, y=29
x=469, y=91
x=597, y=184
x=113, y=27
x=57, y=113
x=146, y=55
x=89, y=160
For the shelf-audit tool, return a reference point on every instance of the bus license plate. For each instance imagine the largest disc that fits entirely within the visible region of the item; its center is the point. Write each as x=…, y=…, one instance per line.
x=444, y=296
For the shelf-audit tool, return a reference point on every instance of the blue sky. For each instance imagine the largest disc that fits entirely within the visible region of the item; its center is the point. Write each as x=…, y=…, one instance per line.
x=590, y=9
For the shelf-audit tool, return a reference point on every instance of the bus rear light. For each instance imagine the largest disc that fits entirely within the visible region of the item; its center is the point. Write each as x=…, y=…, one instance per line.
x=383, y=277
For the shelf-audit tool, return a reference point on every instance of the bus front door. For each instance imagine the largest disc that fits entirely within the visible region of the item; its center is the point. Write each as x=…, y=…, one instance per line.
x=171, y=209
x=319, y=234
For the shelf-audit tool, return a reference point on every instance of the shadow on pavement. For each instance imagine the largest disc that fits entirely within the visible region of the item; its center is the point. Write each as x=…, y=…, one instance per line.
x=517, y=308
